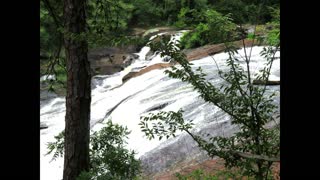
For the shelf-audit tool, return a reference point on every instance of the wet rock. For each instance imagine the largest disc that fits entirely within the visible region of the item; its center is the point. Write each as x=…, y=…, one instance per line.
x=149, y=54
x=129, y=76
x=43, y=126
x=128, y=60
x=183, y=149
x=145, y=70
x=108, y=60
x=158, y=107
x=201, y=52
x=46, y=95
x=167, y=59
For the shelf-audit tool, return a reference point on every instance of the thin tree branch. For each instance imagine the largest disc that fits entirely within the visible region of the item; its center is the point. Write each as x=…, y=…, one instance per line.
x=241, y=154
x=268, y=74
x=54, y=16
x=254, y=156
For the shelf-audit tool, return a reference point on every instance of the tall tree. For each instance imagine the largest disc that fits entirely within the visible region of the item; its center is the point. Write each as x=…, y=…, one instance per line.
x=77, y=23
x=76, y=157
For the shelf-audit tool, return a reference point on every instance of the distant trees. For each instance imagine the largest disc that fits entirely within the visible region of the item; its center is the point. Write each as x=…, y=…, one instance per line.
x=108, y=16
x=50, y=22
x=152, y=12
x=246, y=11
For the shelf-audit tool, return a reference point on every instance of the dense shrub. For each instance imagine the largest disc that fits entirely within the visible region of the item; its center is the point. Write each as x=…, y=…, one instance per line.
x=273, y=36
x=217, y=29
x=109, y=159
x=189, y=18
x=246, y=11
x=195, y=38
x=199, y=174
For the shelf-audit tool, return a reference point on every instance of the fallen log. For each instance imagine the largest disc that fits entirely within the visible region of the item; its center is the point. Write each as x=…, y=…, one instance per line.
x=260, y=82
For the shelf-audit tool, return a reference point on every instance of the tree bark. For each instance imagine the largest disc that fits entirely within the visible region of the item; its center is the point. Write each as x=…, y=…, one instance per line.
x=78, y=100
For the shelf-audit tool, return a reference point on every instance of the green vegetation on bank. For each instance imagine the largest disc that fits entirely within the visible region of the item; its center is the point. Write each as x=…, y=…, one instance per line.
x=199, y=174
x=215, y=28
x=109, y=20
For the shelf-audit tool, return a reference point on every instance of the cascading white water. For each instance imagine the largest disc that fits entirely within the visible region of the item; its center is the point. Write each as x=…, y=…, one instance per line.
x=137, y=97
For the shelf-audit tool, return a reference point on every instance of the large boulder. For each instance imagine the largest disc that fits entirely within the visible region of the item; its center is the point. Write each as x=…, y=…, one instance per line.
x=145, y=70
x=43, y=126
x=129, y=59
x=106, y=61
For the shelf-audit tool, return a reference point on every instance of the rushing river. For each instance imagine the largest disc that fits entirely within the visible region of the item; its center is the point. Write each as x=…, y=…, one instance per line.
x=125, y=103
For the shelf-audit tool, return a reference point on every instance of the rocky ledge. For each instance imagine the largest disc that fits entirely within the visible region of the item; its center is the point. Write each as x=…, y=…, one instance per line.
x=192, y=54
x=109, y=60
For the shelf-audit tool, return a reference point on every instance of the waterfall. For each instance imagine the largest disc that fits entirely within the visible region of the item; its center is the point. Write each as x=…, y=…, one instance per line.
x=124, y=103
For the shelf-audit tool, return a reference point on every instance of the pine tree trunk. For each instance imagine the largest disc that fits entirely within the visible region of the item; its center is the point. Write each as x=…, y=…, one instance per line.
x=78, y=100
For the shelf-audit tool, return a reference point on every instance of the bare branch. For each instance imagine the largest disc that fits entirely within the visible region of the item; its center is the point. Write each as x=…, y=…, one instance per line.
x=254, y=156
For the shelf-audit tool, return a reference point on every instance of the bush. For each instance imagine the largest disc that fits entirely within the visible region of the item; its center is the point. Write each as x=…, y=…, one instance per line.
x=109, y=159
x=196, y=38
x=189, y=18
x=236, y=8
x=273, y=36
x=199, y=174
x=246, y=11
x=217, y=29
x=145, y=13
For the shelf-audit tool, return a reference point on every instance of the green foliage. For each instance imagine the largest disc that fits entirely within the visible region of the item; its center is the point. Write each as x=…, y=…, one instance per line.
x=195, y=175
x=199, y=174
x=167, y=12
x=216, y=29
x=191, y=8
x=236, y=8
x=49, y=36
x=249, y=107
x=145, y=13
x=167, y=125
x=183, y=19
x=108, y=22
x=189, y=17
x=246, y=11
x=109, y=159
x=221, y=27
x=56, y=147
x=273, y=36
x=197, y=38
x=108, y=15
x=56, y=66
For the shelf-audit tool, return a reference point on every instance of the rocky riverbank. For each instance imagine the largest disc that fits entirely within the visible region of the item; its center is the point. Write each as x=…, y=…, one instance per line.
x=193, y=54
x=109, y=60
